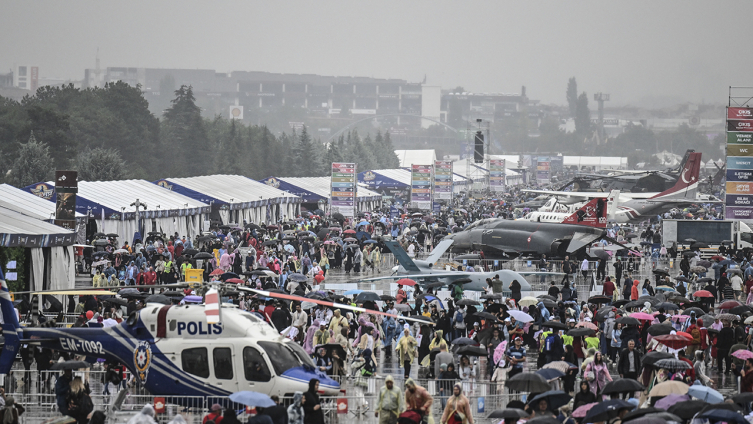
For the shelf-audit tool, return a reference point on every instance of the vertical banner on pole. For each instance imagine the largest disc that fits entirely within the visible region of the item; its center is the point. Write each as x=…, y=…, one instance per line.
x=542, y=169
x=66, y=187
x=421, y=179
x=497, y=174
x=738, y=198
x=443, y=180
x=344, y=186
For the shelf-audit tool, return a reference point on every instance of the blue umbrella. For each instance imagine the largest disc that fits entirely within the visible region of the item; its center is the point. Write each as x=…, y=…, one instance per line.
x=706, y=394
x=371, y=241
x=252, y=399
x=716, y=415
x=550, y=373
x=289, y=248
x=727, y=262
x=665, y=288
x=354, y=291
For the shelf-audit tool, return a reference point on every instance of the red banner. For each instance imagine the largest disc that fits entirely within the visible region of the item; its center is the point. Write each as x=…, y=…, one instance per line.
x=739, y=113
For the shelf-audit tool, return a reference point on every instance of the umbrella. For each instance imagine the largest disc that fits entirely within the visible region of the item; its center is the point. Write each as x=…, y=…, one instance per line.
x=671, y=364
x=582, y=410
x=509, y=413
x=545, y=296
x=203, y=255
x=387, y=298
x=354, y=291
x=586, y=324
x=434, y=285
x=462, y=281
x=366, y=296
x=652, y=357
x=620, y=303
x=467, y=302
x=729, y=304
x=661, y=271
x=464, y=341
x=669, y=387
x=545, y=419
x=743, y=398
x=235, y=281
x=555, y=398
x=716, y=415
x=158, y=298
x=528, y=301
x=606, y=410
x=727, y=317
x=173, y=293
x=740, y=310
x=599, y=299
x=472, y=351
x=561, y=366
x=627, y=321
x=580, y=332
x=406, y=282
x=228, y=275
x=742, y=354
x=706, y=394
x=402, y=307
x=550, y=373
x=486, y=315
x=694, y=310
x=488, y=296
x=119, y=251
x=349, y=231
x=297, y=277
x=687, y=409
x=270, y=243
x=519, y=316
x=704, y=280
x=642, y=412
x=527, y=382
x=642, y=316
x=673, y=341
x=116, y=301
x=660, y=329
x=548, y=303
x=555, y=325
x=70, y=365
x=623, y=385
x=703, y=293
x=668, y=306
x=699, y=245
x=252, y=399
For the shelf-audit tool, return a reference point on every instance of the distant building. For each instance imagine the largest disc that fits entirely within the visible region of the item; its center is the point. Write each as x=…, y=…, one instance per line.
x=26, y=77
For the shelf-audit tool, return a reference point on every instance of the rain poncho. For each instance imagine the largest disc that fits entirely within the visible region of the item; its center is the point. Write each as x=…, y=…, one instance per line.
x=308, y=342
x=146, y=416
x=295, y=410
x=178, y=420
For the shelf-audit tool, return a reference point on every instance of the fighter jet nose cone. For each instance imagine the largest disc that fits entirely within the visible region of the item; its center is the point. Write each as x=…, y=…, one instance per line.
x=461, y=240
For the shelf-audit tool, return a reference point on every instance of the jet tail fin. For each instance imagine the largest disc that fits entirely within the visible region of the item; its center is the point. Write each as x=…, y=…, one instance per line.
x=11, y=328
x=592, y=214
x=439, y=251
x=687, y=183
x=402, y=257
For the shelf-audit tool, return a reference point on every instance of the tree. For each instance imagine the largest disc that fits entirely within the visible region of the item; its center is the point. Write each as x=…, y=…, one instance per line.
x=582, y=116
x=572, y=97
x=33, y=164
x=307, y=162
x=185, y=136
x=390, y=160
x=100, y=164
x=455, y=113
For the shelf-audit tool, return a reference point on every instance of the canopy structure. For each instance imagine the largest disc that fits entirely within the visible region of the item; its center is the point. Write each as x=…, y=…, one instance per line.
x=416, y=157
x=28, y=204
x=595, y=162
x=318, y=190
x=236, y=198
x=397, y=182
x=110, y=203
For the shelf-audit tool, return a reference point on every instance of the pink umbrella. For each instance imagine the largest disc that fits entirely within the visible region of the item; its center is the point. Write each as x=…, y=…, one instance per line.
x=587, y=324
x=679, y=317
x=669, y=400
x=742, y=354
x=581, y=411
x=499, y=352
x=642, y=316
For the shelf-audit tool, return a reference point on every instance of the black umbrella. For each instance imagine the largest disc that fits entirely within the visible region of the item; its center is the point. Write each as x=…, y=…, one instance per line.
x=173, y=293
x=599, y=299
x=635, y=304
x=668, y=306
x=717, y=414
x=620, y=303
x=660, y=329
x=641, y=412
x=116, y=301
x=228, y=275
x=544, y=419
x=297, y=277
x=549, y=303
x=433, y=285
x=699, y=245
x=622, y=385
x=661, y=271
x=486, y=315
x=527, y=382
x=203, y=255
x=740, y=310
x=364, y=296
x=555, y=325
x=70, y=365
x=270, y=243
x=251, y=226
x=464, y=341
x=681, y=278
x=546, y=296
x=462, y=281
x=113, y=235
x=695, y=310
x=580, y=332
x=100, y=235
x=158, y=298
x=604, y=411
x=652, y=358
x=627, y=321
x=467, y=302
x=491, y=296
x=387, y=297
x=687, y=409
x=554, y=398
x=190, y=252
x=510, y=413
x=472, y=351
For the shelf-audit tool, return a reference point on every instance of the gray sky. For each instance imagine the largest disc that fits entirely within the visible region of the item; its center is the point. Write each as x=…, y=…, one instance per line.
x=642, y=52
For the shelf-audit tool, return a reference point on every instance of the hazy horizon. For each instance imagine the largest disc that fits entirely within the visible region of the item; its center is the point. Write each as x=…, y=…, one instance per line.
x=648, y=54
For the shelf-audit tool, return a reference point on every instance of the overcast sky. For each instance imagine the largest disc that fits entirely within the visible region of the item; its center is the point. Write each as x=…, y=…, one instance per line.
x=642, y=52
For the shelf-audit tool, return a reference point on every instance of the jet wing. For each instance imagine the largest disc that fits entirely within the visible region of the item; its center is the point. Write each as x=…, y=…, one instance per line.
x=439, y=251
x=580, y=240
x=544, y=273
x=575, y=194
x=402, y=257
x=422, y=276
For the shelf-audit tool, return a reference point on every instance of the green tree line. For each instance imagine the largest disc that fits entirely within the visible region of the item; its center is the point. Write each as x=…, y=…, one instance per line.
x=108, y=133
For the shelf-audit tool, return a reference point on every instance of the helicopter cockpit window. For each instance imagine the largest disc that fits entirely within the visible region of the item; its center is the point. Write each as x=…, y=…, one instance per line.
x=254, y=366
x=196, y=361
x=223, y=363
x=300, y=353
x=282, y=358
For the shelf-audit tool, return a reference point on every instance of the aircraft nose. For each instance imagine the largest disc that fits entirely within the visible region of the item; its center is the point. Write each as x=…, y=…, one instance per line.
x=462, y=240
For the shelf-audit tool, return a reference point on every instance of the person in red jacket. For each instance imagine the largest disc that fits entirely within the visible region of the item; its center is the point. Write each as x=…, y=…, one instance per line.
x=150, y=278
x=634, y=290
x=215, y=415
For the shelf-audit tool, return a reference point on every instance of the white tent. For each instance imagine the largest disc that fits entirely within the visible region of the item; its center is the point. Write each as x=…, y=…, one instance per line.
x=416, y=157
x=315, y=189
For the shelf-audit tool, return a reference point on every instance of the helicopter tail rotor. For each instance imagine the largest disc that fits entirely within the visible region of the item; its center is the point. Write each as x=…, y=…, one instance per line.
x=11, y=328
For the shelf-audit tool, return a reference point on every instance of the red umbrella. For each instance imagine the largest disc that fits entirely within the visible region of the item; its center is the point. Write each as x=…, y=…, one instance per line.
x=703, y=293
x=235, y=281
x=217, y=271
x=684, y=334
x=406, y=282
x=349, y=232
x=729, y=304
x=717, y=258
x=673, y=341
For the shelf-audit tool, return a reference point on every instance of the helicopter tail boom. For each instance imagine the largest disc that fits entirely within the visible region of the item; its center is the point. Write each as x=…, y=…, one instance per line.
x=11, y=328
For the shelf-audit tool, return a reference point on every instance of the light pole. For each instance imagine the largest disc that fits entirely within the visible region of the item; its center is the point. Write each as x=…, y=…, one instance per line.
x=601, y=98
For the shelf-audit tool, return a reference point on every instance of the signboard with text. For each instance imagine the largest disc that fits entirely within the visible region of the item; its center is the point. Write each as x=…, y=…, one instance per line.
x=542, y=169
x=420, y=193
x=443, y=180
x=497, y=174
x=738, y=199
x=344, y=189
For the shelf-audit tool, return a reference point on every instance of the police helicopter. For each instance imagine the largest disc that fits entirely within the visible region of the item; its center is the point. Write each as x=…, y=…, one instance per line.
x=212, y=349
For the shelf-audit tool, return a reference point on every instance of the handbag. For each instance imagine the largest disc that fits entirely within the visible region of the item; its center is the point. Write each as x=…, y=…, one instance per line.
x=589, y=375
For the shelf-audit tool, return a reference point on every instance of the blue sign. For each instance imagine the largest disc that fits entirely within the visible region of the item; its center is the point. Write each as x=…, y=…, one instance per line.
x=738, y=162
x=739, y=175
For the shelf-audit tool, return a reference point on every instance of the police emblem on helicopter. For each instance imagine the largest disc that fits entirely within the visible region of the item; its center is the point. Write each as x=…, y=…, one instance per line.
x=142, y=358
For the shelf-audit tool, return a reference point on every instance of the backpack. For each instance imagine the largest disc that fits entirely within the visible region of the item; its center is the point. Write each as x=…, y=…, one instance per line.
x=459, y=320
x=549, y=343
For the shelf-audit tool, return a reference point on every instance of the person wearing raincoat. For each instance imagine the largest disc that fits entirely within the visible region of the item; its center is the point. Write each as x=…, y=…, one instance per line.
x=406, y=349
x=437, y=342
x=308, y=342
x=295, y=410
x=458, y=408
x=146, y=416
